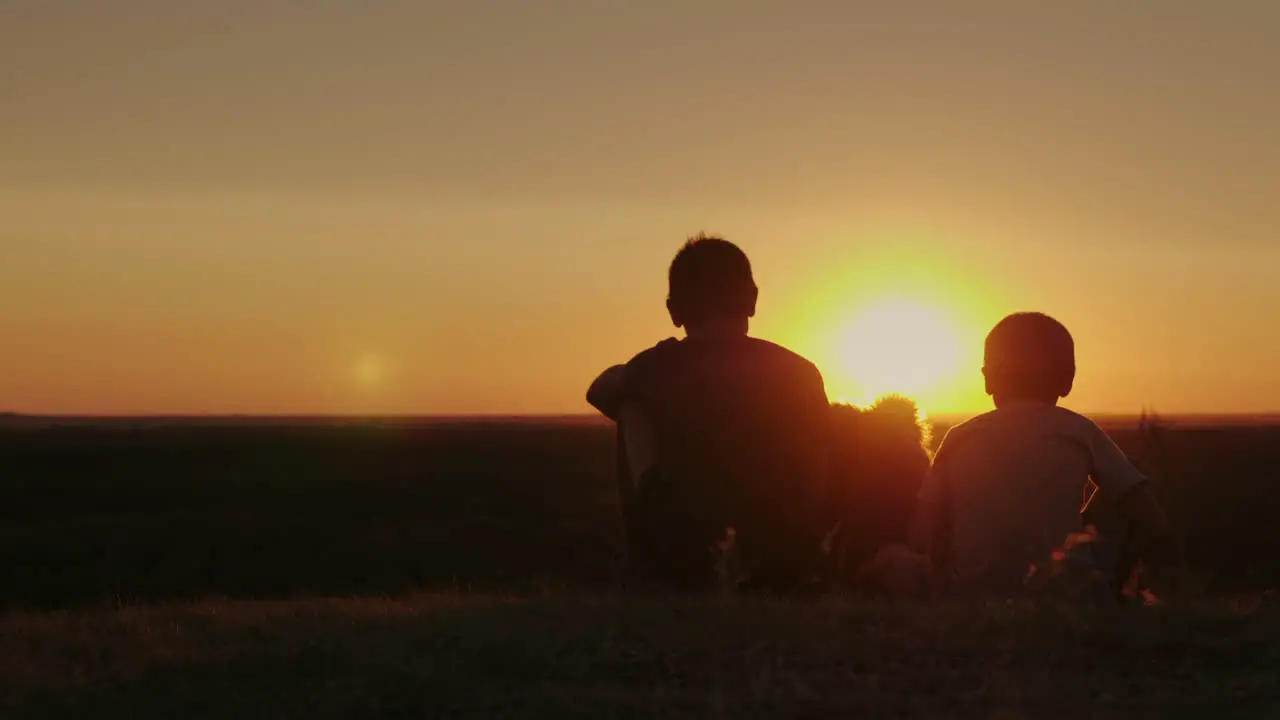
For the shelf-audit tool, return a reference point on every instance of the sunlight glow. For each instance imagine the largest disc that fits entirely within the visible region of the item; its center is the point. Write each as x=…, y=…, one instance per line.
x=895, y=314
x=898, y=346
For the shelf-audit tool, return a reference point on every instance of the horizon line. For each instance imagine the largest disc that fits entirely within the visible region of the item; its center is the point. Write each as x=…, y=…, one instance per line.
x=525, y=415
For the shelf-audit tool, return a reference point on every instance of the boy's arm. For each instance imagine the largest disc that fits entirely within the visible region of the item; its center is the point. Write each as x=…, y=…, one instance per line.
x=1148, y=526
x=815, y=426
x=1119, y=478
x=1152, y=539
x=609, y=391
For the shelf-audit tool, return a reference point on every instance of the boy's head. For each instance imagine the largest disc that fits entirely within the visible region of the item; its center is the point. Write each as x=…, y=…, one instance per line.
x=1029, y=356
x=711, y=287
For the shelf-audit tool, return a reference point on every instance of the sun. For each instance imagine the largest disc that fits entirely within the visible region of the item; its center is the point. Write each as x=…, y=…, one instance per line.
x=370, y=371
x=900, y=346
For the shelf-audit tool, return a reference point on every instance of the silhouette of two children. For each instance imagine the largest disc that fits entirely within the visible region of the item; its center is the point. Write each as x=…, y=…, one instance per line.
x=721, y=430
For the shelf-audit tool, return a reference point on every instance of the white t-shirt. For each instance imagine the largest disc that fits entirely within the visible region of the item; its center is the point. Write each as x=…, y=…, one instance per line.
x=1014, y=479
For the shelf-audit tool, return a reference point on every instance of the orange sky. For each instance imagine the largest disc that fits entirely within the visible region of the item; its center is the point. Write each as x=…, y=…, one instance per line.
x=456, y=207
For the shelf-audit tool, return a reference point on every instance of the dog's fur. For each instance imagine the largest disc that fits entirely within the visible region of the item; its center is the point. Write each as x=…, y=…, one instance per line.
x=880, y=457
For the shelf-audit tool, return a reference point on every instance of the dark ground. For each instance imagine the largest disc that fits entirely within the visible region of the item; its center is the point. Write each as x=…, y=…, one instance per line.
x=115, y=512
x=575, y=656
x=160, y=541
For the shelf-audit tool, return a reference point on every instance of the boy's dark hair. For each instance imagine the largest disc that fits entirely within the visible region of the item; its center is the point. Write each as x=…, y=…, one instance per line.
x=710, y=277
x=1030, y=356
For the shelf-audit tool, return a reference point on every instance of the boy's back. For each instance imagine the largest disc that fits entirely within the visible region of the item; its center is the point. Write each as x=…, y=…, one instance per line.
x=739, y=428
x=726, y=386
x=1013, y=481
x=718, y=430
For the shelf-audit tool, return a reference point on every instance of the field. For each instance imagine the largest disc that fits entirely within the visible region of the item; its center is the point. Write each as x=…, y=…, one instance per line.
x=178, y=568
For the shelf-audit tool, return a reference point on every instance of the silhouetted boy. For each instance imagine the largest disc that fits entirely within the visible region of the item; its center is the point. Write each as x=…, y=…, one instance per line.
x=718, y=430
x=1004, y=493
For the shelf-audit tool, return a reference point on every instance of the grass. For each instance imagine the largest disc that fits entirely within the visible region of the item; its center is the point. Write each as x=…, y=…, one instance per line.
x=456, y=656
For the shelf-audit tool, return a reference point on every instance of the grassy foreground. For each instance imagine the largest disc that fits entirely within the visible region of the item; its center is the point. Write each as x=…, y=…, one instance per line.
x=454, y=656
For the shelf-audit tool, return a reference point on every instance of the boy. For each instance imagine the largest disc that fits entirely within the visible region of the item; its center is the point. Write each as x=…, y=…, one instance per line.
x=1005, y=488
x=718, y=430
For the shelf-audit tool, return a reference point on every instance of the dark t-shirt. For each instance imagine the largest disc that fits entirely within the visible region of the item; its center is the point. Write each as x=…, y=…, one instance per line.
x=740, y=431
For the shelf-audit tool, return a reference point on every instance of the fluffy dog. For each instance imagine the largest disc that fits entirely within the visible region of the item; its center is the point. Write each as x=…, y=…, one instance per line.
x=880, y=458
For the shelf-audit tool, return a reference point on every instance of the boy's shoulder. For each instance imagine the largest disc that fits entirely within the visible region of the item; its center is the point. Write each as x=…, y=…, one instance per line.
x=663, y=348
x=763, y=350
x=1058, y=420
x=781, y=354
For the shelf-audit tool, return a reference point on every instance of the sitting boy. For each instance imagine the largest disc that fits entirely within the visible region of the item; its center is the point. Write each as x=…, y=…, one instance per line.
x=1005, y=489
x=717, y=431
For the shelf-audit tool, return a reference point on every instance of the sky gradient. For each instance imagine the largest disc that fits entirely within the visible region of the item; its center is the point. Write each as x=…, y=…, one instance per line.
x=469, y=207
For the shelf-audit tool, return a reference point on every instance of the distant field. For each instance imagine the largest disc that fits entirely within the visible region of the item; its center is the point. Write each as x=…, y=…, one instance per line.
x=126, y=511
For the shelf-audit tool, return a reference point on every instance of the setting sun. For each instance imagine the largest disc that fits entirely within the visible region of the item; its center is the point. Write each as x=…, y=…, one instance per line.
x=898, y=346
x=888, y=317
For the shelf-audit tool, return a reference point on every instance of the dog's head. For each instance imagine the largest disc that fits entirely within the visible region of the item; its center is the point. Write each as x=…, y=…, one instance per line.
x=880, y=458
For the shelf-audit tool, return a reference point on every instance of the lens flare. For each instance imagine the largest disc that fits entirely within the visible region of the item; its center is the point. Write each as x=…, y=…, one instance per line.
x=370, y=371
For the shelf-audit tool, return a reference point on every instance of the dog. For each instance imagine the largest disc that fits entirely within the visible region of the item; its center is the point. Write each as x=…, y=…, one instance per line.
x=880, y=456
